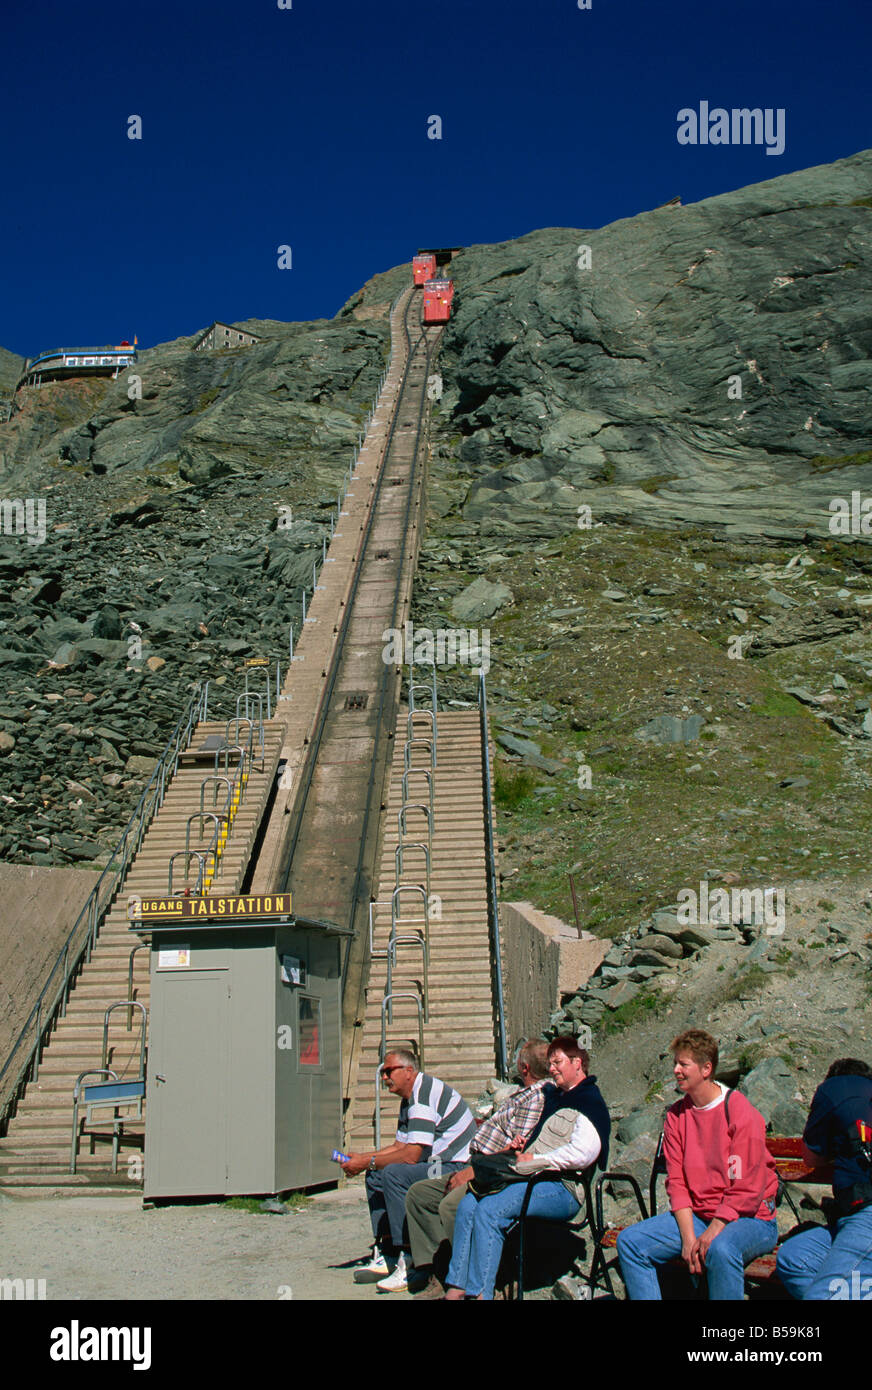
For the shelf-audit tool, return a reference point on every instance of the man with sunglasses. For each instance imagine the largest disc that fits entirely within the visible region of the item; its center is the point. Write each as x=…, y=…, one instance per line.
x=434, y=1130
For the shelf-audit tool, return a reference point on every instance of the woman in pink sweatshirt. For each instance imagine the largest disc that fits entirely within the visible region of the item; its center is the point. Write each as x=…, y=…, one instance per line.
x=721, y=1182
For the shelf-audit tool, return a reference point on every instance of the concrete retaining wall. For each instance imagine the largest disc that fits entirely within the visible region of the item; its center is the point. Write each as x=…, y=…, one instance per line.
x=38, y=907
x=544, y=959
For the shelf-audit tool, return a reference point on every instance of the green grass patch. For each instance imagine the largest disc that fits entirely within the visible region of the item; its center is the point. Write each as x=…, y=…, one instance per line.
x=511, y=788
x=643, y=1007
x=777, y=705
x=824, y=463
x=750, y=980
x=295, y=1200
x=651, y=485
x=205, y=401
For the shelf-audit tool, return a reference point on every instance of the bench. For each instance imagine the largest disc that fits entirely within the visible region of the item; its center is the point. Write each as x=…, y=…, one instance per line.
x=790, y=1167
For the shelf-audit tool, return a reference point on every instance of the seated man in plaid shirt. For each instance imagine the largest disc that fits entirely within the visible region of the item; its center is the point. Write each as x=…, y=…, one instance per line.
x=431, y=1205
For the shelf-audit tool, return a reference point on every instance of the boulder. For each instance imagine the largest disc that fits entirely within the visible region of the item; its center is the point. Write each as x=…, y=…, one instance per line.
x=772, y=1088
x=480, y=599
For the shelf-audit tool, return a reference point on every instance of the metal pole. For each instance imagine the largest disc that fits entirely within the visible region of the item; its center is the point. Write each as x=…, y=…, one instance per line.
x=291, y=643
x=304, y=605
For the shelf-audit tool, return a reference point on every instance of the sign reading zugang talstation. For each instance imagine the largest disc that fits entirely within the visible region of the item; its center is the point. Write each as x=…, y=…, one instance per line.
x=183, y=909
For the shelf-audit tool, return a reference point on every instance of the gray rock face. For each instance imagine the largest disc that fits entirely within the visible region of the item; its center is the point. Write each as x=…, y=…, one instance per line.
x=771, y=1087
x=609, y=386
x=646, y=1121
x=480, y=599
x=205, y=416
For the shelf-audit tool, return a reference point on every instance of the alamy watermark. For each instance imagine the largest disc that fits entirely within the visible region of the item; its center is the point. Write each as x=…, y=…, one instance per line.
x=77, y=1343
x=724, y=907
x=23, y=517
x=27, y=1290
x=446, y=646
x=738, y=126
x=859, y=1290
x=852, y=518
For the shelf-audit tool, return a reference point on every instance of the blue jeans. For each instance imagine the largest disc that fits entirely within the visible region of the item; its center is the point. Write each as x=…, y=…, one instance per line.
x=480, y=1229
x=656, y=1241
x=817, y=1265
x=386, y=1190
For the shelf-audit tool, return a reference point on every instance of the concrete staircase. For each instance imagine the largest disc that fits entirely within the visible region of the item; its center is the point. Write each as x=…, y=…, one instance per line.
x=459, y=1044
x=36, y=1149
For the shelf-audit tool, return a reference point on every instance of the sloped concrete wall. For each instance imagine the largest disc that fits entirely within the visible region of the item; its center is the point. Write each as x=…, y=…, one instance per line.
x=38, y=907
x=543, y=960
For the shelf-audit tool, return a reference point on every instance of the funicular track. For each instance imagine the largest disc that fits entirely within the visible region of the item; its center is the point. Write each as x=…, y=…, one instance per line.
x=330, y=851
x=326, y=836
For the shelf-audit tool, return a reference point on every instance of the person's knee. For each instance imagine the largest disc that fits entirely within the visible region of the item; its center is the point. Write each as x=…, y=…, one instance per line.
x=627, y=1242
x=789, y=1262
x=721, y=1254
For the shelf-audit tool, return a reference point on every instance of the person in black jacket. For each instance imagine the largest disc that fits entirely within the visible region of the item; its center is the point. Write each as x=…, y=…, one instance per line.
x=835, y=1261
x=574, y=1130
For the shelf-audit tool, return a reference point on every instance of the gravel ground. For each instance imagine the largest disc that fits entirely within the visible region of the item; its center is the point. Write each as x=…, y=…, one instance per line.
x=89, y=1247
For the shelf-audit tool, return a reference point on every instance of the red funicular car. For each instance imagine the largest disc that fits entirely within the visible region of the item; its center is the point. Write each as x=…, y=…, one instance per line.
x=423, y=268
x=438, y=295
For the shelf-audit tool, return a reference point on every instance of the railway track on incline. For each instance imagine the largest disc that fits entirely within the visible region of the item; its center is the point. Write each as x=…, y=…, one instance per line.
x=330, y=850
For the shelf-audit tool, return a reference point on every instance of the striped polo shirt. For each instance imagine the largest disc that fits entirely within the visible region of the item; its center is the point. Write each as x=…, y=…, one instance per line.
x=438, y=1118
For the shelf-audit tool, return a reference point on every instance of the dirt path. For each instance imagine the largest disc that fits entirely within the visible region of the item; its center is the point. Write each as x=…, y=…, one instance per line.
x=88, y=1247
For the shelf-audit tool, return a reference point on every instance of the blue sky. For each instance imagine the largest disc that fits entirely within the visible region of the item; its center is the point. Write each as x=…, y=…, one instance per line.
x=307, y=127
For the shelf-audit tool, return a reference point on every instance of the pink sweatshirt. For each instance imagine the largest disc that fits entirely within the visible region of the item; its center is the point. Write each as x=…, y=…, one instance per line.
x=715, y=1172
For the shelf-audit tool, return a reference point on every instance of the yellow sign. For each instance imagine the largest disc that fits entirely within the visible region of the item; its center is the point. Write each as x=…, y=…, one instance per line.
x=256, y=661
x=250, y=905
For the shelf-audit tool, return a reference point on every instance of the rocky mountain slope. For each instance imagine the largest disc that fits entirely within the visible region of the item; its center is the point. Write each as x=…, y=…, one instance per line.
x=632, y=467
x=179, y=529
x=615, y=386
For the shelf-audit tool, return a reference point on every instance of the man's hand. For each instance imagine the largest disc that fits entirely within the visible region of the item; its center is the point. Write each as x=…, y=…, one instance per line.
x=462, y=1175
x=523, y=1159
x=357, y=1163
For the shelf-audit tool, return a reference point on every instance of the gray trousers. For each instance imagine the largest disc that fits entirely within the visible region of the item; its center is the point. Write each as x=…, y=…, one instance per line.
x=386, y=1191
x=430, y=1213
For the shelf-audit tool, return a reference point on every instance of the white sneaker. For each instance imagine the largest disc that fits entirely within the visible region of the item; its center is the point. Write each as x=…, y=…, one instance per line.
x=370, y=1271
x=403, y=1275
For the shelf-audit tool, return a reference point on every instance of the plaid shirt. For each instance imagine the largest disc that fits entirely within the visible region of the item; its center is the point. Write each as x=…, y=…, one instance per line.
x=516, y=1119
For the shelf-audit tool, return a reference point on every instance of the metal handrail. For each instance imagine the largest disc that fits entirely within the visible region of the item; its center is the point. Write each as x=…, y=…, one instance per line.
x=410, y=727
x=240, y=773
x=407, y=751
x=253, y=725
x=493, y=910
x=372, y=950
x=417, y=772
x=395, y=938
x=201, y=872
x=399, y=856
x=140, y=947
x=414, y=806
x=216, y=778
x=125, y=1004
x=381, y=1052
x=53, y=996
x=95, y=1071
x=429, y=687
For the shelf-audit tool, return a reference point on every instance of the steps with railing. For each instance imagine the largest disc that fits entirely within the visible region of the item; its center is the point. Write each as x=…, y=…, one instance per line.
x=431, y=979
x=211, y=853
